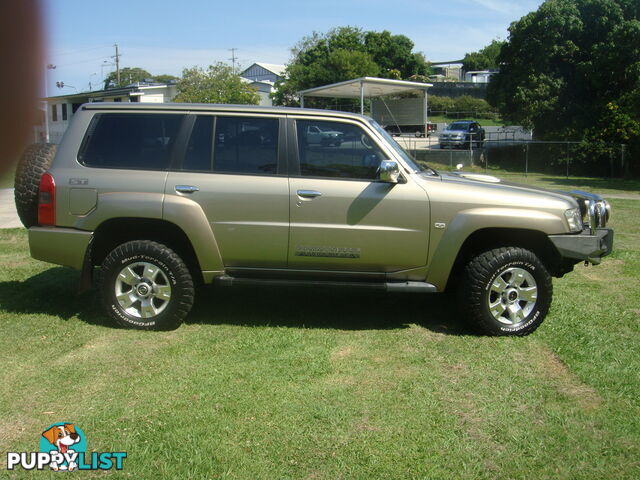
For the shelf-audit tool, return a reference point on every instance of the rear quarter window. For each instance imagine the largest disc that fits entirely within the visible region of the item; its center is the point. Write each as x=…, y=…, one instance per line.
x=130, y=141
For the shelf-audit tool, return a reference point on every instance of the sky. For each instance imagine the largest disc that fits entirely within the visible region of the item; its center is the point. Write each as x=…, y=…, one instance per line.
x=165, y=36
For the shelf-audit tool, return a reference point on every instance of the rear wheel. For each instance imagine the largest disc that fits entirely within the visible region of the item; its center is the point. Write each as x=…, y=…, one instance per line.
x=506, y=291
x=146, y=285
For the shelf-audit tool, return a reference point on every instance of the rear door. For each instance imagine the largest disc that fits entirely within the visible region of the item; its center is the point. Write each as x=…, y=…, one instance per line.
x=232, y=167
x=342, y=218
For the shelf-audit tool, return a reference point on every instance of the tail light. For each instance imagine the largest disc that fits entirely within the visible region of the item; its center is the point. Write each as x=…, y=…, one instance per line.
x=47, y=200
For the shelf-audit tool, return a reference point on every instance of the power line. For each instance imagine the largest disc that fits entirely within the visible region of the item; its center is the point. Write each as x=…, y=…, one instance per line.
x=80, y=61
x=72, y=52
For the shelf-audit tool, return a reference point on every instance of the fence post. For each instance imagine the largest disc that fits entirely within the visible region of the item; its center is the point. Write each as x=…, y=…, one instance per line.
x=526, y=161
x=486, y=161
x=623, y=173
x=567, y=154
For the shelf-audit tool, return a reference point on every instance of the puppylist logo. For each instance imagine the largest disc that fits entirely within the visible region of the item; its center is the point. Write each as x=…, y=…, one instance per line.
x=63, y=447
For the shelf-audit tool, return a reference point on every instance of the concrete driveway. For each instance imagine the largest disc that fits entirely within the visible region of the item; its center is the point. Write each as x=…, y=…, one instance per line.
x=8, y=215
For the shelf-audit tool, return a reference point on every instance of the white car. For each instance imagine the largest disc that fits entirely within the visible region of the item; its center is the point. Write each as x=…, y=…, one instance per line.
x=320, y=136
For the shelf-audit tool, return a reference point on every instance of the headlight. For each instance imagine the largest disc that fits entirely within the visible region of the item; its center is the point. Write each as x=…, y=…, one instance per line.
x=574, y=217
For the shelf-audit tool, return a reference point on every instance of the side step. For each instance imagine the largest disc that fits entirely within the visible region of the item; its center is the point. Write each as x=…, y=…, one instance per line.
x=409, y=287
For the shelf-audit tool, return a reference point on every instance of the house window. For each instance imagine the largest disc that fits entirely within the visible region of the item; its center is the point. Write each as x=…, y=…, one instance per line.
x=64, y=112
x=54, y=112
x=117, y=99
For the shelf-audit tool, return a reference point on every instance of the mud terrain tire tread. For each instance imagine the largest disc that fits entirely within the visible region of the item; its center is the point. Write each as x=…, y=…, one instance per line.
x=478, y=274
x=35, y=161
x=182, y=295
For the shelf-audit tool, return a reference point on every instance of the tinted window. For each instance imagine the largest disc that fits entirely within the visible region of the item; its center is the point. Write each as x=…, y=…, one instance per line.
x=332, y=149
x=246, y=145
x=120, y=140
x=458, y=126
x=199, y=148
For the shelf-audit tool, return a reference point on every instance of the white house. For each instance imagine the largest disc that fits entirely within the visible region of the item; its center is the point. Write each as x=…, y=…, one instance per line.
x=262, y=77
x=480, y=76
x=61, y=108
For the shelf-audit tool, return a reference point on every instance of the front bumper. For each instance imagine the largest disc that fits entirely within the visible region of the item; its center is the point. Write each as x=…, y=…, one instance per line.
x=585, y=246
x=452, y=142
x=62, y=246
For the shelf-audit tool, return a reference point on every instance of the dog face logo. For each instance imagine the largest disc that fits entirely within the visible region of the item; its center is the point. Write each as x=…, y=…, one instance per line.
x=62, y=437
x=63, y=447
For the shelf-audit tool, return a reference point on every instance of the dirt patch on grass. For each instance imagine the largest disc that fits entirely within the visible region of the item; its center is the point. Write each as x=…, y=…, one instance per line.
x=567, y=383
x=610, y=268
x=342, y=353
x=364, y=425
x=339, y=379
x=14, y=428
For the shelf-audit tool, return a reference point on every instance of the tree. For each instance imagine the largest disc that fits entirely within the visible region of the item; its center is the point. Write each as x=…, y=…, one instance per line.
x=393, y=53
x=129, y=75
x=571, y=69
x=164, y=78
x=485, y=59
x=217, y=84
x=345, y=53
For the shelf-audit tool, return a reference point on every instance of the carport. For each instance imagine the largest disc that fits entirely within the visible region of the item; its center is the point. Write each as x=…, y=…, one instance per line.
x=366, y=87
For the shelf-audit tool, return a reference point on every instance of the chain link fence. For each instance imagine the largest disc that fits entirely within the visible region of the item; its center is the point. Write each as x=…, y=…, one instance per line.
x=523, y=158
x=459, y=115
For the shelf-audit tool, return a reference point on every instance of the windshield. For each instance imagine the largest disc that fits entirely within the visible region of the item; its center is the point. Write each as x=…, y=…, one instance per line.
x=416, y=167
x=458, y=126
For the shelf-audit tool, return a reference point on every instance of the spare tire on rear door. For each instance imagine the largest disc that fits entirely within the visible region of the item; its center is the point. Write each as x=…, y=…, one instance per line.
x=35, y=160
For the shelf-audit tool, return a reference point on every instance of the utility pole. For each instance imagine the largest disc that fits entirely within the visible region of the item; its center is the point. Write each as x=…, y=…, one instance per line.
x=233, y=58
x=50, y=66
x=117, y=57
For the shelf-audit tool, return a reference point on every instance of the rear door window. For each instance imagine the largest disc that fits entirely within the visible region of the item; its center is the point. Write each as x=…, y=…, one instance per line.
x=236, y=145
x=246, y=145
x=130, y=141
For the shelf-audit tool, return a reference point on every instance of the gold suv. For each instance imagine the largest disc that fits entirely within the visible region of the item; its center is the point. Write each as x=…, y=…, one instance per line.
x=161, y=197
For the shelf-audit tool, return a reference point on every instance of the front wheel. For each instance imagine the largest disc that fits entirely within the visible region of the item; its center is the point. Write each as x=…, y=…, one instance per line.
x=506, y=291
x=146, y=285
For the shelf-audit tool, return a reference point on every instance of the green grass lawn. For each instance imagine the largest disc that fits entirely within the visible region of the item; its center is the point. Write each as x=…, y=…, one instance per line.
x=6, y=179
x=326, y=384
x=602, y=185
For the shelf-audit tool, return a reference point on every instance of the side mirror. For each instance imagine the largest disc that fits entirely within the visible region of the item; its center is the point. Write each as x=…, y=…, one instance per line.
x=389, y=171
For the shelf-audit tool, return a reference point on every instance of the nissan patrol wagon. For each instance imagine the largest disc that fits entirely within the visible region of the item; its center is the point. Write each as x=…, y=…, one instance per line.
x=160, y=198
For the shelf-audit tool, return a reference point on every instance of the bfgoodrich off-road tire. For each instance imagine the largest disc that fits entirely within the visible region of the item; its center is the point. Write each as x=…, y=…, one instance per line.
x=505, y=291
x=146, y=285
x=35, y=160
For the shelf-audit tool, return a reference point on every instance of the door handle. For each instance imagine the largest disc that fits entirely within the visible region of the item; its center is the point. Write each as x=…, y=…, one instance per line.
x=308, y=193
x=186, y=189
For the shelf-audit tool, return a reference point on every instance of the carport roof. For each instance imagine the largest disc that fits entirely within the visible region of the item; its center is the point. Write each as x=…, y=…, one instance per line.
x=367, y=86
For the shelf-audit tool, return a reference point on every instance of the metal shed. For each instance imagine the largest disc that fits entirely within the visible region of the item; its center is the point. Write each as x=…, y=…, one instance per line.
x=366, y=87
